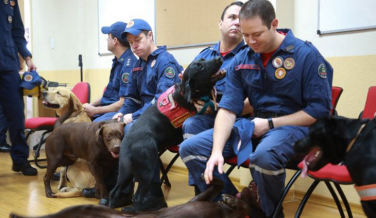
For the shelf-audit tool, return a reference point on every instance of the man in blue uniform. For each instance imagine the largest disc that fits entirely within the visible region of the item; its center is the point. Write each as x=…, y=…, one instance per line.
x=12, y=41
x=113, y=98
x=230, y=44
x=4, y=147
x=288, y=83
x=155, y=71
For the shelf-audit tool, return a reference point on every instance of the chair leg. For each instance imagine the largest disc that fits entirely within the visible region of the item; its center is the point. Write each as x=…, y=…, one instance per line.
x=164, y=176
x=305, y=198
x=230, y=169
x=285, y=191
x=344, y=199
x=335, y=198
x=37, y=152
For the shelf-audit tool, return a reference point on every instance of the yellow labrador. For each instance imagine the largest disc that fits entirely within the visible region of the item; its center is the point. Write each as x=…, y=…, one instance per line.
x=78, y=173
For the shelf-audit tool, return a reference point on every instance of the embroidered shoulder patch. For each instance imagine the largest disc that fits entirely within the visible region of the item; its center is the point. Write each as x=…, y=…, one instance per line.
x=125, y=77
x=169, y=72
x=322, y=71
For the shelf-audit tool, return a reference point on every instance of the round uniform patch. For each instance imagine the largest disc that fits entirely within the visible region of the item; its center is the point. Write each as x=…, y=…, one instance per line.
x=277, y=62
x=12, y=3
x=322, y=71
x=289, y=63
x=10, y=19
x=170, y=72
x=280, y=73
x=125, y=77
x=6, y=2
x=28, y=78
x=130, y=24
x=152, y=63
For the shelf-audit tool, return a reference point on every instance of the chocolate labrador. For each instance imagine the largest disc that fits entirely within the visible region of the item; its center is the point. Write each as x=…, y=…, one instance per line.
x=160, y=127
x=200, y=206
x=353, y=141
x=97, y=143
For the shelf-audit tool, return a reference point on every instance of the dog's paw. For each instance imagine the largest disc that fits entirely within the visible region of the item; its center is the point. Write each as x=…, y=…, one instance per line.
x=230, y=200
x=63, y=189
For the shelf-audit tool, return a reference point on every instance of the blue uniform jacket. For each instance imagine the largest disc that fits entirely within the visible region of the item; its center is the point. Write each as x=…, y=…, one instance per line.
x=12, y=33
x=306, y=86
x=148, y=80
x=212, y=52
x=118, y=82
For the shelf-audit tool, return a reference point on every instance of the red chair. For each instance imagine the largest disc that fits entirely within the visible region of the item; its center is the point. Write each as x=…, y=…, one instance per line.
x=46, y=124
x=338, y=174
x=293, y=164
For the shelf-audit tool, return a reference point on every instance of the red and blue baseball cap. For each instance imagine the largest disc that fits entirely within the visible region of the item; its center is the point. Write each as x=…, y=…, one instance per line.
x=135, y=27
x=115, y=29
x=30, y=80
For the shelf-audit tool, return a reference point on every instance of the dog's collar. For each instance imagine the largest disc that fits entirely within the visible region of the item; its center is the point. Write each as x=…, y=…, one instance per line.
x=352, y=142
x=366, y=192
x=171, y=109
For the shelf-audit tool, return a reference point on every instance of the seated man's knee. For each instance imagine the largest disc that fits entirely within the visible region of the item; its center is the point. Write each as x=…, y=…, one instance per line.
x=266, y=159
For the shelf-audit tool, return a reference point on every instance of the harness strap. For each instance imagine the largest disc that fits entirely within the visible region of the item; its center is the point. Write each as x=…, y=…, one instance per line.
x=366, y=192
x=208, y=102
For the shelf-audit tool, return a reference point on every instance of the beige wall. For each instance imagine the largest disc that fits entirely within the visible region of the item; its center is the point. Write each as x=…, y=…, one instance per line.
x=73, y=26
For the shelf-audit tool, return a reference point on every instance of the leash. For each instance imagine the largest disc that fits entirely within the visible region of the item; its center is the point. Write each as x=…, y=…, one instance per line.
x=208, y=103
x=352, y=142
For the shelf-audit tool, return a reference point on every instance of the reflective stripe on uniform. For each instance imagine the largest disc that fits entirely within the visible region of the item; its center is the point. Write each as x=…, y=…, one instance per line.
x=366, y=192
x=188, y=135
x=265, y=171
x=193, y=157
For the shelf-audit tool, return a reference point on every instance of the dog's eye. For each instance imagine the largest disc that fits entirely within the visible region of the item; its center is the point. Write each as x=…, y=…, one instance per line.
x=58, y=93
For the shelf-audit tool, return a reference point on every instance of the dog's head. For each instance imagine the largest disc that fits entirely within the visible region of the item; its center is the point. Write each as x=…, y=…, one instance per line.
x=200, y=77
x=327, y=141
x=58, y=99
x=112, y=133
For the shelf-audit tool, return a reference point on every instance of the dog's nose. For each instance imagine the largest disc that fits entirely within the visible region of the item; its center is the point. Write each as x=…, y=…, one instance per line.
x=44, y=93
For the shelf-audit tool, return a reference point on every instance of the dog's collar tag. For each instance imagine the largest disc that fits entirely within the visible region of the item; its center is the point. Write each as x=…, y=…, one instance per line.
x=169, y=107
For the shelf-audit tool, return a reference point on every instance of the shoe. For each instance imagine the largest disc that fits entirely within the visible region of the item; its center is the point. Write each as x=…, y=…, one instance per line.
x=124, y=200
x=155, y=204
x=89, y=192
x=56, y=176
x=5, y=148
x=25, y=168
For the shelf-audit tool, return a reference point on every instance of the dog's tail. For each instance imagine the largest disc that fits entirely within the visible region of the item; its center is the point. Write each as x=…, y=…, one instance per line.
x=65, y=116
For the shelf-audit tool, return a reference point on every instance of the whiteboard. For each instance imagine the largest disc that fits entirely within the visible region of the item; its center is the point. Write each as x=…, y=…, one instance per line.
x=345, y=15
x=111, y=11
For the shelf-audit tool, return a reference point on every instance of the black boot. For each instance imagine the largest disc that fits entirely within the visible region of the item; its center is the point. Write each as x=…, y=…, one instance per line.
x=124, y=200
x=154, y=200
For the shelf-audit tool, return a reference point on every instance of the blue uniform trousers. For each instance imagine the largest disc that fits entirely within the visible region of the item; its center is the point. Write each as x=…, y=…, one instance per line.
x=3, y=127
x=267, y=162
x=11, y=100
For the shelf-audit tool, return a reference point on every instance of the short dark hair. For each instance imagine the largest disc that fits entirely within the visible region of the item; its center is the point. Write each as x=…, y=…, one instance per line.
x=238, y=3
x=122, y=42
x=261, y=8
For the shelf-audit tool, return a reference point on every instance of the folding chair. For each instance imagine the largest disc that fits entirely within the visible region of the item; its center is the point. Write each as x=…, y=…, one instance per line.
x=46, y=124
x=337, y=174
x=164, y=178
x=293, y=164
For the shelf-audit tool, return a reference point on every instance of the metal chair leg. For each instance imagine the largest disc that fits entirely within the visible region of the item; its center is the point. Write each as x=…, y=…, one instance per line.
x=335, y=198
x=305, y=198
x=344, y=200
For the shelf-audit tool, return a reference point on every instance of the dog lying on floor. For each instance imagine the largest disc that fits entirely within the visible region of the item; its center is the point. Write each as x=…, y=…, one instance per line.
x=198, y=207
x=60, y=99
x=336, y=139
x=97, y=143
x=154, y=130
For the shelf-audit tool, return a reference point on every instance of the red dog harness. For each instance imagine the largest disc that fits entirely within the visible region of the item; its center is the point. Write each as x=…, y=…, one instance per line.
x=169, y=107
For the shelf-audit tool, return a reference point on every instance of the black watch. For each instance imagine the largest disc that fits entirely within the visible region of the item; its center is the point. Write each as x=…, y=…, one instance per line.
x=271, y=124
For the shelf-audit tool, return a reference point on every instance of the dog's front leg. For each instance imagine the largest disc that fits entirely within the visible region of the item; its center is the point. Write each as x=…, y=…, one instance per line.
x=97, y=171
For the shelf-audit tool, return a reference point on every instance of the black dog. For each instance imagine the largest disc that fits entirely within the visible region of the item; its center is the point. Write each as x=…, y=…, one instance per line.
x=199, y=207
x=336, y=139
x=154, y=131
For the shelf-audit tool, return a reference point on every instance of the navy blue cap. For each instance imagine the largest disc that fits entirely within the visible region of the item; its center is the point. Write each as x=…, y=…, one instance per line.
x=135, y=27
x=115, y=29
x=30, y=80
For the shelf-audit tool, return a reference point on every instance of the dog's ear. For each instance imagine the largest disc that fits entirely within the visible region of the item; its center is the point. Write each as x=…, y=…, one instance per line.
x=187, y=90
x=77, y=104
x=98, y=133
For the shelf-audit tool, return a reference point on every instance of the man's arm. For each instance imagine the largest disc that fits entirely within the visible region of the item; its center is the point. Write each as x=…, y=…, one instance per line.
x=299, y=118
x=92, y=109
x=222, y=129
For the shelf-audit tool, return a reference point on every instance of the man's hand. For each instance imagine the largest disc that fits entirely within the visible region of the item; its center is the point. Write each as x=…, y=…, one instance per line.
x=30, y=65
x=90, y=109
x=117, y=117
x=128, y=118
x=261, y=127
x=214, y=160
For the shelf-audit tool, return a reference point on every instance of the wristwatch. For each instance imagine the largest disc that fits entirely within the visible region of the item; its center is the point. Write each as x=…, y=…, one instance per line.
x=270, y=121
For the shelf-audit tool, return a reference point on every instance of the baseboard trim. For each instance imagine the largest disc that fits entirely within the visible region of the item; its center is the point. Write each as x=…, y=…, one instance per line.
x=293, y=195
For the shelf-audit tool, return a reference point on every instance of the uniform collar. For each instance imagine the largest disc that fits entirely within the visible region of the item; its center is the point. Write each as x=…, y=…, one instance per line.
x=288, y=44
x=234, y=51
x=123, y=56
x=159, y=50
